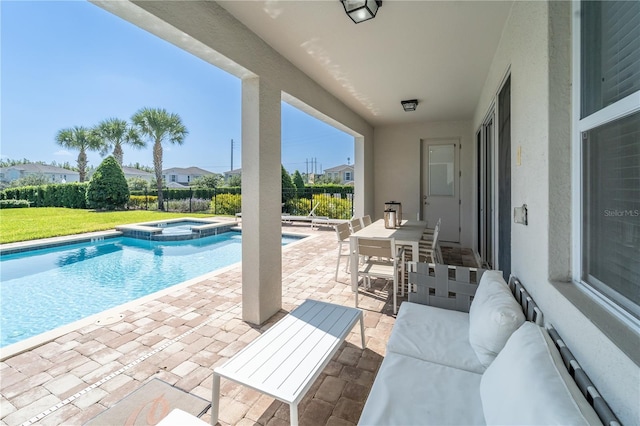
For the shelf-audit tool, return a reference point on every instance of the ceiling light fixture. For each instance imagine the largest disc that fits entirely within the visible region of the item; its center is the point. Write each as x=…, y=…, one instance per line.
x=409, y=105
x=361, y=10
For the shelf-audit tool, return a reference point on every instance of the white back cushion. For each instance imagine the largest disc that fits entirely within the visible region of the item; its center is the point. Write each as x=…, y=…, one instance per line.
x=527, y=384
x=493, y=316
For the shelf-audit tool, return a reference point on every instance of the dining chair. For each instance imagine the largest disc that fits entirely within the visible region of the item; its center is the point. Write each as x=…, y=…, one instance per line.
x=430, y=249
x=427, y=234
x=356, y=224
x=381, y=261
x=366, y=221
x=343, y=232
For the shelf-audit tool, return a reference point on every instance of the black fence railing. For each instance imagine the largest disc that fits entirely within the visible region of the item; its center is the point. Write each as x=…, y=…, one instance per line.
x=334, y=201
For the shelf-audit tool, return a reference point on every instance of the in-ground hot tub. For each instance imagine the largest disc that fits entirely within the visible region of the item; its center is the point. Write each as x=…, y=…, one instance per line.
x=186, y=228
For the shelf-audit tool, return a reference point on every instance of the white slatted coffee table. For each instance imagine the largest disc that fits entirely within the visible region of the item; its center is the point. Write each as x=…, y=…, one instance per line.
x=286, y=360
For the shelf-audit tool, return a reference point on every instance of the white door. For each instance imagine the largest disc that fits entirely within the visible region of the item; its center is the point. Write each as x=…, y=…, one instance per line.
x=441, y=186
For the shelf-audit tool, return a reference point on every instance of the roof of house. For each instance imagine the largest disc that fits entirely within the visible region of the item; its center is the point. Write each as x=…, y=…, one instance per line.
x=41, y=168
x=234, y=172
x=340, y=168
x=187, y=171
x=134, y=171
x=176, y=185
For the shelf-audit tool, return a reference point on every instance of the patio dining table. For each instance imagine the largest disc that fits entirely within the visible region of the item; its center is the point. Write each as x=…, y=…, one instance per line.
x=409, y=233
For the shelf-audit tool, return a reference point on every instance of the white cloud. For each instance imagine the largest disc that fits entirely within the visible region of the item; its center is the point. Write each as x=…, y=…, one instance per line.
x=63, y=153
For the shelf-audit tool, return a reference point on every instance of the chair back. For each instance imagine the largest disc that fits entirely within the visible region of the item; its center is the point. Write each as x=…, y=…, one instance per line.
x=343, y=231
x=436, y=232
x=366, y=221
x=356, y=224
x=377, y=247
x=313, y=210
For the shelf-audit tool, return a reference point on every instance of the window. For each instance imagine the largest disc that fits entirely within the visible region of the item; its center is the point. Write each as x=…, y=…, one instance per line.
x=347, y=176
x=173, y=178
x=608, y=120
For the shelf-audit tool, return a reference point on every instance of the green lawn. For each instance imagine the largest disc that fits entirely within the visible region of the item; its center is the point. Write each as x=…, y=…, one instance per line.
x=43, y=222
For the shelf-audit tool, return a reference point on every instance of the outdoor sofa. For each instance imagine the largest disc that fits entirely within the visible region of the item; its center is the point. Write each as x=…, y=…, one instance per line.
x=479, y=356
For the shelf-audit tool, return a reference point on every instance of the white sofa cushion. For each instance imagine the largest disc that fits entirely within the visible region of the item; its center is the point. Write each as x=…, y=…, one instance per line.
x=494, y=315
x=528, y=385
x=434, y=334
x=409, y=391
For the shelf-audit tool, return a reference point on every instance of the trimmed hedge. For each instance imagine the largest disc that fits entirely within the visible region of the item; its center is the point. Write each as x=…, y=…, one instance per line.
x=13, y=204
x=334, y=200
x=71, y=195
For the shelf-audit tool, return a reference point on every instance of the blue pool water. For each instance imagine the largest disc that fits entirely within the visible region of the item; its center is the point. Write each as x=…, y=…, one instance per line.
x=44, y=289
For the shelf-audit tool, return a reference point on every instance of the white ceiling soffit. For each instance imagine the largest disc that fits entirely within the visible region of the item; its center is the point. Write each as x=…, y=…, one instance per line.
x=438, y=52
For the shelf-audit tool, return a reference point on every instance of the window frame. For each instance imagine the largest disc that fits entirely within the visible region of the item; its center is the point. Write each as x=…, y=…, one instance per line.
x=608, y=114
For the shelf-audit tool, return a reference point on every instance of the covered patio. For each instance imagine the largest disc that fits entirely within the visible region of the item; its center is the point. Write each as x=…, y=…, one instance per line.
x=186, y=333
x=494, y=83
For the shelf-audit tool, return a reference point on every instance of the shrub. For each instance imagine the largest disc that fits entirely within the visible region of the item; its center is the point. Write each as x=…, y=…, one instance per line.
x=138, y=184
x=108, y=189
x=328, y=205
x=14, y=204
x=184, y=206
x=139, y=202
x=30, y=180
x=333, y=207
x=288, y=189
x=299, y=207
x=226, y=204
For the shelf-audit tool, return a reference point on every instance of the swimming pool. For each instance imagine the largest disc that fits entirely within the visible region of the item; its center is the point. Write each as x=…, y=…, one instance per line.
x=47, y=288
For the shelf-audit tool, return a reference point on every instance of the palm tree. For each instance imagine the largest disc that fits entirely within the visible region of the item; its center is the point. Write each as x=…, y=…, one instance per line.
x=82, y=139
x=115, y=133
x=159, y=126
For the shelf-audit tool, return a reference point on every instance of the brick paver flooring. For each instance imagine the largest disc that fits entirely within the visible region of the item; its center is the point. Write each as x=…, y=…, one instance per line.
x=189, y=332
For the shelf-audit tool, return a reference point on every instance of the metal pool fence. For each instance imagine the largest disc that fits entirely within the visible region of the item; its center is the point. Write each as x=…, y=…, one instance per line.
x=333, y=201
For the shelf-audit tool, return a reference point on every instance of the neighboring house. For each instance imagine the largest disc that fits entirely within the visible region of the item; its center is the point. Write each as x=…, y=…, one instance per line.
x=343, y=172
x=176, y=185
x=230, y=173
x=183, y=176
x=131, y=172
x=52, y=173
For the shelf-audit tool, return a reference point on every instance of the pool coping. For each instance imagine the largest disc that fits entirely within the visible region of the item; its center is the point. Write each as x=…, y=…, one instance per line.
x=48, y=336
x=44, y=243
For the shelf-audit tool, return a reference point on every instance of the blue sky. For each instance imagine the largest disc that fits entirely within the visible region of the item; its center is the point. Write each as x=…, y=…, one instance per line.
x=66, y=64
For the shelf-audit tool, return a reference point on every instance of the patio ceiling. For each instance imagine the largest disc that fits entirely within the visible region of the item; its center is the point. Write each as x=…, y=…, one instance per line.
x=437, y=52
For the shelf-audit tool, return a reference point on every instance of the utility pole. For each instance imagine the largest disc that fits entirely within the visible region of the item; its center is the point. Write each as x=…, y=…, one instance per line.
x=306, y=160
x=231, y=155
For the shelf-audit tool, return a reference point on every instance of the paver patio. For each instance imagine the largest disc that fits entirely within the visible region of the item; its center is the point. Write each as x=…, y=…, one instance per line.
x=181, y=336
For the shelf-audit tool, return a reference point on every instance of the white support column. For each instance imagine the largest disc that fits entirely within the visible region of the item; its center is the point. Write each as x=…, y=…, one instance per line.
x=364, y=194
x=261, y=201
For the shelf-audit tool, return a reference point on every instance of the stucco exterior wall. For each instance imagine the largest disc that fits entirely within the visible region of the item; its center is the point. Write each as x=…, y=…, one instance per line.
x=535, y=48
x=397, y=167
